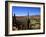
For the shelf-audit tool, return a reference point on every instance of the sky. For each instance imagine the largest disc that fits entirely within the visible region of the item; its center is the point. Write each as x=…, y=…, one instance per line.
x=23, y=11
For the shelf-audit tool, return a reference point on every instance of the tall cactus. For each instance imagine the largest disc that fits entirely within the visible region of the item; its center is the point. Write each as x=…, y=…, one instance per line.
x=14, y=20
x=28, y=21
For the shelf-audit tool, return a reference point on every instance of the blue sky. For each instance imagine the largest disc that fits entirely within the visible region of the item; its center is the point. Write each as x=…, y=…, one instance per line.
x=23, y=11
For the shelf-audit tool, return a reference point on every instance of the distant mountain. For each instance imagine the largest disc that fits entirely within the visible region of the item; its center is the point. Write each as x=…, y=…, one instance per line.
x=26, y=17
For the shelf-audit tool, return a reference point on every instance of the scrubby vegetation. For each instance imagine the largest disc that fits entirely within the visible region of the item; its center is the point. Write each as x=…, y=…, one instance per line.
x=23, y=23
